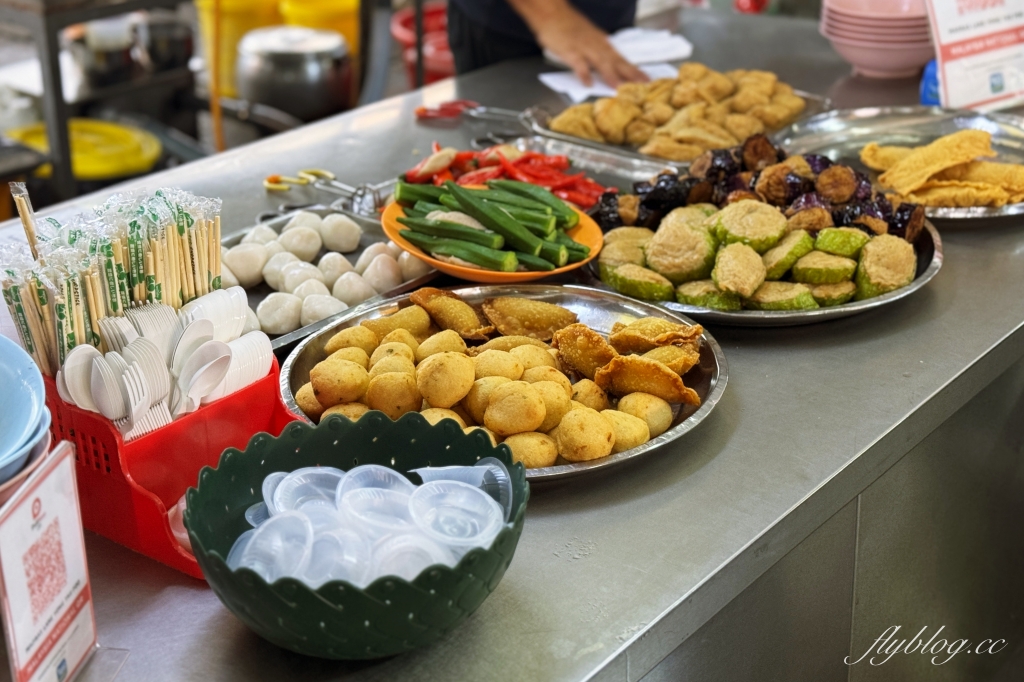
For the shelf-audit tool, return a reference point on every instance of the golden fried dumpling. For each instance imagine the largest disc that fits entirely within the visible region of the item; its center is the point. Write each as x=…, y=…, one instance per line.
x=679, y=359
x=612, y=115
x=514, y=316
x=578, y=121
x=451, y=312
x=582, y=349
x=660, y=90
x=632, y=373
x=648, y=333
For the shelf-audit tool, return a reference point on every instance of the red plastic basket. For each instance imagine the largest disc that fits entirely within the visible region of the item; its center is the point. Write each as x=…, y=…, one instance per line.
x=125, y=489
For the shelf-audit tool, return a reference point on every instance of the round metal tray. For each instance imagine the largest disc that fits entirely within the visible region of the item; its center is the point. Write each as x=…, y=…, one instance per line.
x=597, y=309
x=840, y=135
x=929, y=260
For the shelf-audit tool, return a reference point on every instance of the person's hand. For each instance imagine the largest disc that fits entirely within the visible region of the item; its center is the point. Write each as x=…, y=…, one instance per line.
x=584, y=47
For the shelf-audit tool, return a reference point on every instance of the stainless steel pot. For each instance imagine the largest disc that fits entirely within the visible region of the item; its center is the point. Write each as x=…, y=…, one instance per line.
x=302, y=71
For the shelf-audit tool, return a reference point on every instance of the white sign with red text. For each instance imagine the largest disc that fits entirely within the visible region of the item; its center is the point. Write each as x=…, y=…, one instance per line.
x=980, y=50
x=44, y=581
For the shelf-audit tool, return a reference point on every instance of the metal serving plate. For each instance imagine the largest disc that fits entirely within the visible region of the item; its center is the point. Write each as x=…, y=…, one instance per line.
x=840, y=135
x=372, y=233
x=929, y=260
x=538, y=120
x=597, y=309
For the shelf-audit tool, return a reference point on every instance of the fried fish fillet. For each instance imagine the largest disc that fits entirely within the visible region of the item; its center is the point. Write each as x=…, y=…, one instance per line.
x=631, y=374
x=506, y=343
x=451, y=312
x=649, y=333
x=916, y=168
x=525, y=317
x=879, y=158
x=676, y=358
x=578, y=121
x=952, y=193
x=582, y=349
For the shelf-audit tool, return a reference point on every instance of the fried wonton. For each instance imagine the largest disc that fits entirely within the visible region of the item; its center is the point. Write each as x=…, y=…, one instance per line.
x=649, y=333
x=413, y=319
x=879, y=158
x=951, y=193
x=676, y=358
x=451, y=312
x=916, y=168
x=631, y=374
x=582, y=349
x=506, y=343
x=525, y=317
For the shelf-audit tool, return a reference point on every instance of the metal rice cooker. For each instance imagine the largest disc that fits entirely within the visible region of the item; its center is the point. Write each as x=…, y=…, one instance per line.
x=302, y=71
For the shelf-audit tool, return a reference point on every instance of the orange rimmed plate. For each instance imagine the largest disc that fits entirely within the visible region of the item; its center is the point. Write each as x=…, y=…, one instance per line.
x=586, y=232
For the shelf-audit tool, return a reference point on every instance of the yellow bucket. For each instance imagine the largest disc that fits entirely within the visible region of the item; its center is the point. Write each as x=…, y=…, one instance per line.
x=237, y=17
x=100, y=150
x=338, y=15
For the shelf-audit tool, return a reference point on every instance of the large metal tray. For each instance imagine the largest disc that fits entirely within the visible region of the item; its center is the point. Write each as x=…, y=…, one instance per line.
x=840, y=135
x=372, y=233
x=597, y=309
x=929, y=260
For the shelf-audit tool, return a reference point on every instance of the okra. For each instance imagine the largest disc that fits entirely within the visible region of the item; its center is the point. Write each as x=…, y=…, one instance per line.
x=499, y=196
x=577, y=251
x=540, y=224
x=408, y=194
x=441, y=228
x=533, y=262
x=429, y=206
x=566, y=216
x=556, y=254
x=491, y=259
x=496, y=220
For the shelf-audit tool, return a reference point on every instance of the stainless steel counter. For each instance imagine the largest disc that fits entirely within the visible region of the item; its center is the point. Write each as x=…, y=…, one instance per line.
x=615, y=571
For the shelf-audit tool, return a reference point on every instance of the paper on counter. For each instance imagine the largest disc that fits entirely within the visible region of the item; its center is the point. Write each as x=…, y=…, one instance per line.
x=646, y=46
x=568, y=84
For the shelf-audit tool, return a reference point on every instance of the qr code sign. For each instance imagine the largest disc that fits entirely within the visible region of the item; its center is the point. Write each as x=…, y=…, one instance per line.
x=45, y=569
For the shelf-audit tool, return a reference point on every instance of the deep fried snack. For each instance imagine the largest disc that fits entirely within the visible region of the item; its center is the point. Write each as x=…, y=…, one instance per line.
x=1009, y=176
x=483, y=429
x=583, y=435
x=641, y=235
x=657, y=113
x=676, y=358
x=447, y=341
x=548, y=374
x=526, y=317
x=879, y=158
x=498, y=363
x=639, y=131
x=916, y=168
x=436, y=414
x=954, y=193
x=648, y=333
x=475, y=402
x=351, y=411
x=612, y=115
x=515, y=407
x=394, y=394
x=414, y=319
x=402, y=336
x=338, y=381
x=386, y=350
x=684, y=93
x=652, y=409
x=634, y=92
x=692, y=71
x=393, y=363
x=631, y=373
x=556, y=403
x=578, y=121
x=506, y=343
x=589, y=394
x=451, y=312
x=742, y=126
x=444, y=379
x=352, y=354
x=582, y=349
x=665, y=147
x=531, y=356
x=772, y=115
x=630, y=431
x=739, y=269
x=534, y=450
x=353, y=337
x=308, y=403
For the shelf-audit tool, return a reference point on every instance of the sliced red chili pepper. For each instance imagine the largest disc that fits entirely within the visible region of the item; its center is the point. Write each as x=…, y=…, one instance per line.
x=581, y=200
x=481, y=175
x=443, y=177
x=413, y=174
x=568, y=182
x=452, y=109
x=512, y=171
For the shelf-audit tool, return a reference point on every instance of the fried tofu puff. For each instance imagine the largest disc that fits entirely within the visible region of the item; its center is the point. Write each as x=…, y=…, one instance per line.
x=583, y=435
x=475, y=402
x=498, y=363
x=630, y=431
x=338, y=381
x=648, y=333
x=308, y=403
x=351, y=411
x=436, y=414
x=525, y=317
x=413, y=319
x=515, y=407
x=444, y=379
x=582, y=349
x=353, y=337
x=534, y=450
x=506, y=343
x=394, y=394
x=451, y=312
x=589, y=394
x=447, y=341
x=677, y=359
x=631, y=374
x=556, y=403
x=652, y=409
x=352, y=354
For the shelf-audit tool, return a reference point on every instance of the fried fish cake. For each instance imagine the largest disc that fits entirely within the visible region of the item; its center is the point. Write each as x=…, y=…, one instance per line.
x=649, y=333
x=414, y=319
x=449, y=311
x=632, y=373
x=525, y=317
x=506, y=343
x=676, y=358
x=582, y=349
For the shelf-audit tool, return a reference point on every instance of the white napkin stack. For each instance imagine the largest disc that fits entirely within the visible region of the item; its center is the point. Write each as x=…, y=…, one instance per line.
x=568, y=84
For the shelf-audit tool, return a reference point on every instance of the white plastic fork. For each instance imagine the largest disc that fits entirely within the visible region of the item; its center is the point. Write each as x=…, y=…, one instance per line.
x=138, y=398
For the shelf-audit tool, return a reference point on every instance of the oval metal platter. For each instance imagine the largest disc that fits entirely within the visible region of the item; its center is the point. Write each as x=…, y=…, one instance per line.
x=841, y=134
x=929, y=261
x=597, y=309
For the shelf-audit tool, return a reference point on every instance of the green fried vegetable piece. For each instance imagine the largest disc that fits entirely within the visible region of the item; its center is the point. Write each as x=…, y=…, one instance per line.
x=619, y=253
x=679, y=251
x=887, y=263
x=639, y=282
x=759, y=226
x=781, y=296
x=833, y=294
x=738, y=270
x=705, y=294
x=818, y=267
x=841, y=241
x=780, y=258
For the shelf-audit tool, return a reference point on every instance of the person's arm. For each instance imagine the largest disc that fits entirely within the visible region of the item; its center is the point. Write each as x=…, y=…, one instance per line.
x=560, y=28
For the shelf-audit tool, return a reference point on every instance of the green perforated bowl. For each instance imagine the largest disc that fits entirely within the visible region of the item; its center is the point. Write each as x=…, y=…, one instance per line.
x=338, y=620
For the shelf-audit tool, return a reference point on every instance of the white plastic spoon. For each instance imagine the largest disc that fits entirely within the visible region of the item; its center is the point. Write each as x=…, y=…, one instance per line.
x=196, y=333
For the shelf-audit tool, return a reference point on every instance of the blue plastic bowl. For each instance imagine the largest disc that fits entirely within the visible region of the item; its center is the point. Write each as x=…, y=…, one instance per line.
x=22, y=399
x=12, y=464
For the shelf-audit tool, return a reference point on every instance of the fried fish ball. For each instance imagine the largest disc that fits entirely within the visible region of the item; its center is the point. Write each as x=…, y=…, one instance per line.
x=556, y=403
x=531, y=356
x=498, y=363
x=402, y=336
x=447, y=341
x=445, y=378
x=630, y=431
x=536, y=374
x=482, y=429
x=475, y=402
x=527, y=317
x=308, y=403
x=515, y=407
x=589, y=394
x=352, y=354
x=507, y=343
x=338, y=381
x=648, y=333
x=414, y=319
x=582, y=349
x=652, y=409
x=449, y=311
x=583, y=435
x=458, y=409
x=351, y=411
x=353, y=337
x=385, y=350
x=392, y=363
x=394, y=394
x=677, y=359
x=436, y=414
x=631, y=373
x=577, y=405
x=534, y=450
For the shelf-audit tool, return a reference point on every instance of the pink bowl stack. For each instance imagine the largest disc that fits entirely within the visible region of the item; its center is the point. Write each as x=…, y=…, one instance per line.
x=881, y=38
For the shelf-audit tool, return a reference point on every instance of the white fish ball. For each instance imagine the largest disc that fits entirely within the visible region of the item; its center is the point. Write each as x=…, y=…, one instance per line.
x=352, y=289
x=252, y=323
x=383, y=274
x=368, y=254
x=311, y=287
x=394, y=249
x=272, y=270
x=412, y=267
x=246, y=261
x=227, y=278
x=341, y=233
x=304, y=242
x=333, y=265
x=317, y=307
x=274, y=248
x=261, y=234
x=294, y=274
x=279, y=313
x=304, y=219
